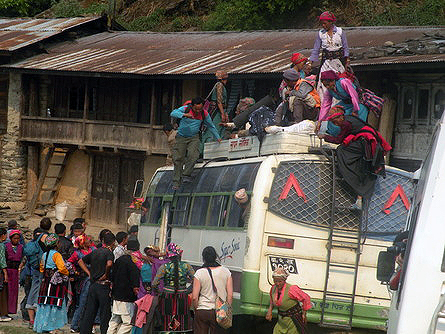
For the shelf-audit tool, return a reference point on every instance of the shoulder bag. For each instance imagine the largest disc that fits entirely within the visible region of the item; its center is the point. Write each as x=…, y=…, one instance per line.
x=223, y=309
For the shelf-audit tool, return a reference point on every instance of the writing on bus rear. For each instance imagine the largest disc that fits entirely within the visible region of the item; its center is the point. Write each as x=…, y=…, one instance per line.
x=229, y=248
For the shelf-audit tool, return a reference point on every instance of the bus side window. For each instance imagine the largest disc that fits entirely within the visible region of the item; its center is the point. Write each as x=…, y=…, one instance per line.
x=246, y=180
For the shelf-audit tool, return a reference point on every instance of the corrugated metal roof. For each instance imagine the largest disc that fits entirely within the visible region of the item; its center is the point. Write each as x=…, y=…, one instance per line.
x=18, y=33
x=202, y=52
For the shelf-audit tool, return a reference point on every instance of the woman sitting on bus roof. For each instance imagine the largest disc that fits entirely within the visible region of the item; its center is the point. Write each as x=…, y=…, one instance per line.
x=346, y=92
x=173, y=301
x=361, y=153
x=287, y=297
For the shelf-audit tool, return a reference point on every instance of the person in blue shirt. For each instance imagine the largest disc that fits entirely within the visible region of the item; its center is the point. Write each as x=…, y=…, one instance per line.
x=186, y=149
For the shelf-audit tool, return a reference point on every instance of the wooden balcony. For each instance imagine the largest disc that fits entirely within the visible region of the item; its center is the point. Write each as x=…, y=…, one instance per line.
x=128, y=136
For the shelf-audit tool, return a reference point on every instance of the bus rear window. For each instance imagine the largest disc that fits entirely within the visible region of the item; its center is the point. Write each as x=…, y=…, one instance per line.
x=208, y=200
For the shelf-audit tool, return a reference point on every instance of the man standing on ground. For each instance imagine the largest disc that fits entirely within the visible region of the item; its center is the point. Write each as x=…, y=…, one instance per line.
x=100, y=262
x=65, y=246
x=125, y=279
x=186, y=149
x=121, y=239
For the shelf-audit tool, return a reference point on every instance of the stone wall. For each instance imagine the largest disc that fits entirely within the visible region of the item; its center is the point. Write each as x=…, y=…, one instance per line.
x=13, y=157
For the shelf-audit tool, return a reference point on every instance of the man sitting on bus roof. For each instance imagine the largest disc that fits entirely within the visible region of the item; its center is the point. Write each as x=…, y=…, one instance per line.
x=186, y=149
x=301, y=100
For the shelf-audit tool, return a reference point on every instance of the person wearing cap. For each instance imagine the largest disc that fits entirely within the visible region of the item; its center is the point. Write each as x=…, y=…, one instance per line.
x=301, y=100
x=333, y=44
x=360, y=154
x=51, y=311
x=287, y=298
x=298, y=62
x=243, y=200
x=173, y=301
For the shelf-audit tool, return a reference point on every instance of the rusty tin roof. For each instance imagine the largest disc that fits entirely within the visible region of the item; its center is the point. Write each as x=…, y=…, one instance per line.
x=148, y=53
x=18, y=33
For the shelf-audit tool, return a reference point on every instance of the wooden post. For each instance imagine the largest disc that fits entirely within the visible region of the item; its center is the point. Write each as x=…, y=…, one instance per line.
x=387, y=119
x=152, y=105
x=32, y=172
x=33, y=98
x=89, y=184
x=86, y=106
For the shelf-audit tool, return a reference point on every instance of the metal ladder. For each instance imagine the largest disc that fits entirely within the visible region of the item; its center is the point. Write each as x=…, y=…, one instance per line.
x=340, y=240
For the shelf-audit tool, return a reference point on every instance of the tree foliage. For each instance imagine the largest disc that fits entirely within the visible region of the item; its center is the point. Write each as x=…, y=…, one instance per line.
x=252, y=14
x=11, y=8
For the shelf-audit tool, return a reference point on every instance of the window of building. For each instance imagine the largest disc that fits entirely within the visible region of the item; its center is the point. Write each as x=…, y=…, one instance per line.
x=423, y=105
x=408, y=104
x=439, y=104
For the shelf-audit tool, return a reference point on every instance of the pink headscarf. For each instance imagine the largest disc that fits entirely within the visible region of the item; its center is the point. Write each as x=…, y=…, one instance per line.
x=327, y=16
x=12, y=232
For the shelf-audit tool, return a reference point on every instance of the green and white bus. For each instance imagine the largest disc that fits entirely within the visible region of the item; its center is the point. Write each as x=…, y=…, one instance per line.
x=299, y=217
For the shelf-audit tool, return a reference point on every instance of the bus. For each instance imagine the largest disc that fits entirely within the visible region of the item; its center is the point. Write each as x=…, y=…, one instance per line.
x=299, y=216
x=418, y=305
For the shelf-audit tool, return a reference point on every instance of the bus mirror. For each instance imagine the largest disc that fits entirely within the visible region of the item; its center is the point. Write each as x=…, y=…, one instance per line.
x=138, y=187
x=385, y=266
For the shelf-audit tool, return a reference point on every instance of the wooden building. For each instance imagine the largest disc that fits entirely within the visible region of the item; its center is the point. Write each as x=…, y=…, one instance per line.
x=102, y=99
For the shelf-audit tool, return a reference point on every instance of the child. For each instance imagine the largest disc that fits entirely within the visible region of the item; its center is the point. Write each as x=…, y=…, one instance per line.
x=14, y=255
x=3, y=279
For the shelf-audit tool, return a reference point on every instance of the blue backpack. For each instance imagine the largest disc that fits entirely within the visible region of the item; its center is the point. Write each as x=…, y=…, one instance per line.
x=33, y=252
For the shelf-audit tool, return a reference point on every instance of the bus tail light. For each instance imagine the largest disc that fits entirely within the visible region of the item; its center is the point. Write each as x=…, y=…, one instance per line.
x=280, y=242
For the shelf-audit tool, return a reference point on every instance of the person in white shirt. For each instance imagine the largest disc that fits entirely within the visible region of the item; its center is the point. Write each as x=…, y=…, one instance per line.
x=203, y=295
x=121, y=239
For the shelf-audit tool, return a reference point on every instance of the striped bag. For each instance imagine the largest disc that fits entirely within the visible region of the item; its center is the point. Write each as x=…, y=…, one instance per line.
x=373, y=102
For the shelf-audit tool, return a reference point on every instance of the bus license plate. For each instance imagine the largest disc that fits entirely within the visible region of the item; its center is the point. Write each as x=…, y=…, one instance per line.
x=240, y=144
x=289, y=264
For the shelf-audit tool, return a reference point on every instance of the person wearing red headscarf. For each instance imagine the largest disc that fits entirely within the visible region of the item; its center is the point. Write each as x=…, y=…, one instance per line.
x=360, y=155
x=332, y=42
x=298, y=62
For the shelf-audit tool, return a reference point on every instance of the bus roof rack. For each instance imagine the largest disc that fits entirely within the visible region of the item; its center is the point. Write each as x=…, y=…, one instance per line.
x=279, y=143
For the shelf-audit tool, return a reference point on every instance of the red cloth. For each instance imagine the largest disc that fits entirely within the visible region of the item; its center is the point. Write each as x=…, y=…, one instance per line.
x=327, y=16
x=329, y=75
x=369, y=137
x=294, y=293
x=297, y=58
x=394, y=282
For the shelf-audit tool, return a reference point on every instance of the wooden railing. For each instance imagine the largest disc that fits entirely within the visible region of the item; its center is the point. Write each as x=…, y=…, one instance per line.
x=129, y=136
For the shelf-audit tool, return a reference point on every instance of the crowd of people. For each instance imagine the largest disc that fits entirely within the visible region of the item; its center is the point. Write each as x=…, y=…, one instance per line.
x=327, y=100
x=112, y=284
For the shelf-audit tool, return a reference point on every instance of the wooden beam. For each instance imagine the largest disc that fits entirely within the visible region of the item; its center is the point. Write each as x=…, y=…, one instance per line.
x=32, y=205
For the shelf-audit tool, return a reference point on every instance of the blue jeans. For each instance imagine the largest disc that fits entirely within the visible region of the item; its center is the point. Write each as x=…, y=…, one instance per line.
x=81, y=301
x=36, y=279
